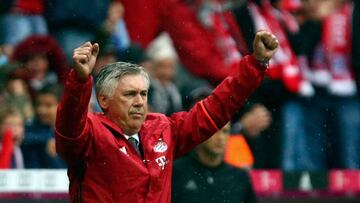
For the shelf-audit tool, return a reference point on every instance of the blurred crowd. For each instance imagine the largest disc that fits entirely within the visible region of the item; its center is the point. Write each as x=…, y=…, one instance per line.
x=305, y=116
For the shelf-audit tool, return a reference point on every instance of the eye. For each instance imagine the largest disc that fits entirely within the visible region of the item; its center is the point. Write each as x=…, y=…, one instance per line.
x=226, y=131
x=144, y=94
x=130, y=94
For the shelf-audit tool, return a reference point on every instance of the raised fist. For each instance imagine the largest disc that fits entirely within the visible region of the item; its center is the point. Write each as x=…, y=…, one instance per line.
x=85, y=58
x=265, y=45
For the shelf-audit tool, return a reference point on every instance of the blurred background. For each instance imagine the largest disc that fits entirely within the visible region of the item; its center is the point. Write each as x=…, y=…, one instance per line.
x=298, y=136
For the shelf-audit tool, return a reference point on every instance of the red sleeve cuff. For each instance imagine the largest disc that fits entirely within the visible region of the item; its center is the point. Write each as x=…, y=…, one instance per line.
x=74, y=76
x=260, y=66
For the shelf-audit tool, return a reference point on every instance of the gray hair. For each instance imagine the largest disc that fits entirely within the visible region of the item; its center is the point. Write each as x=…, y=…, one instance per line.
x=108, y=77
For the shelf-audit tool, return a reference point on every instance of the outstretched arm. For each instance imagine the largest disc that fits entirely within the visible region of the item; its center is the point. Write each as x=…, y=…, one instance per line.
x=232, y=93
x=72, y=131
x=212, y=113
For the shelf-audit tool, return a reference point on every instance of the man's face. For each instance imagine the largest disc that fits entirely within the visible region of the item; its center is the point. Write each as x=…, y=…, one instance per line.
x=216, y=144
x=37, y=66
x=46, y=106
x=128, y=105
x=165, y=70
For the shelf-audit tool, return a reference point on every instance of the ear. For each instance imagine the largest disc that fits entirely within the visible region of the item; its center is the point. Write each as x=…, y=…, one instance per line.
x=103, y=102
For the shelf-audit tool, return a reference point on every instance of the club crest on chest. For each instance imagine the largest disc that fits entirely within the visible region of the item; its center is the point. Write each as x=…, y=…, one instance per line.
x=160, y=146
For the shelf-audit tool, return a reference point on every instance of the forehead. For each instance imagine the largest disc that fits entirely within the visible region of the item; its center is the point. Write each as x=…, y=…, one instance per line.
x=133, y=82
x=47, y=97
x=226, y=127
x=13, y=118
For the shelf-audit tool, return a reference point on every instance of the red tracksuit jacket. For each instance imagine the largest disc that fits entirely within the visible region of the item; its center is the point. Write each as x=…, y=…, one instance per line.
x=105, y=167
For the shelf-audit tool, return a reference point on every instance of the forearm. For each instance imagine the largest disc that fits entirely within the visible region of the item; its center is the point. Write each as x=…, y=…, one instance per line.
x=72, y=111
x=232, y=93
x=209, y=115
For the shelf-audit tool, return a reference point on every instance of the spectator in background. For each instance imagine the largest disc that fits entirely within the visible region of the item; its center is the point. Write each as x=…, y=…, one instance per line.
x=203, y=171
x=284, y=84
x=164, y=96
x=75, y=22
x=207, y=40
x=17, y=96
x=43, y=61
x=203, y=176
x=6, y=52
x=6, y=68
x=11, y=137
x=294, y=149
x=333, y=122
x=39, y=143
x=21, y=19
x=113, y=30
x=113, y=37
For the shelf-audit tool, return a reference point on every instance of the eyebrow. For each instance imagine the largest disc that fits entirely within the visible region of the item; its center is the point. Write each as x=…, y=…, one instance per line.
x=135, y=91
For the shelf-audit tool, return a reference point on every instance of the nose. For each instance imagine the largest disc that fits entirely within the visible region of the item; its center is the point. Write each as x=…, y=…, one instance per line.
x=139, y=101
x=221, y=137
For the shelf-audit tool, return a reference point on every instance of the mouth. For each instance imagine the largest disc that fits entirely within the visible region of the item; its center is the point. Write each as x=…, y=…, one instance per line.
x=137, y=115
x=220, y=146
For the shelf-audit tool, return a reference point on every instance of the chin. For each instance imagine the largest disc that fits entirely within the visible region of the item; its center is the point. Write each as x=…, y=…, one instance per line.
x=218, y=151
x=136, y=127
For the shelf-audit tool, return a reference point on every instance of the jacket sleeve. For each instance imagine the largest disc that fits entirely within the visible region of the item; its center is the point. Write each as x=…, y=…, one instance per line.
x=72, y=131
x=211, y=114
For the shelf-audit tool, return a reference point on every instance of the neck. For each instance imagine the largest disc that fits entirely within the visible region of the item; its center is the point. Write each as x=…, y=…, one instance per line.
x=209, y=159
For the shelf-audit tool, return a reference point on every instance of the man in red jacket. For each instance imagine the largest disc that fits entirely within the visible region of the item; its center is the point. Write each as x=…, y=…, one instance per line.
x=126, y=154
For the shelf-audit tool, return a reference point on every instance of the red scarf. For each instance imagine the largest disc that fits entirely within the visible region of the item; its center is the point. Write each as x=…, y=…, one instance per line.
x=33, y=7
x=6, y=150
x=284, y=64
x=220, y=23
x=332, y=65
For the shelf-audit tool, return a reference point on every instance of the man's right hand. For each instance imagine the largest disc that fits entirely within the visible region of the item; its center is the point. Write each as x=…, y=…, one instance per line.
x=256, y=120
x=85, y=58
x=265, y=45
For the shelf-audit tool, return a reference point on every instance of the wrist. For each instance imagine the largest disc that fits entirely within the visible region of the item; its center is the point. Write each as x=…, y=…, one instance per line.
x=261, y=60
x=79, y=77
x=237, y=128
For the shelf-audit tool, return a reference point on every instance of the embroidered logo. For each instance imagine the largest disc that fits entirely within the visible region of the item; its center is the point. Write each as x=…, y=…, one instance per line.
x=160, y=146
x=123, y=150
x=161, y=161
